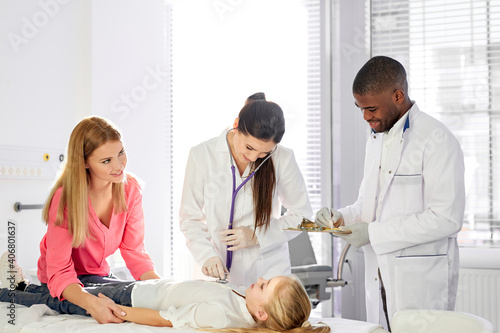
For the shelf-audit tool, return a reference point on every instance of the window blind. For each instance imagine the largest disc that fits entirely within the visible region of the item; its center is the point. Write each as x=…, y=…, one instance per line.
x=311, y=167
x=451, y=52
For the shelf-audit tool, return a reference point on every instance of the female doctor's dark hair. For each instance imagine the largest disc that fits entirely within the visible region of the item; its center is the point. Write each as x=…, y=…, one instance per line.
x=264, y=121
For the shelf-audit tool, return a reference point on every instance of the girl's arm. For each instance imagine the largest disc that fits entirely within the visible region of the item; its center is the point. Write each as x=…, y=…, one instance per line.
x=144, y=316
x=195, y=315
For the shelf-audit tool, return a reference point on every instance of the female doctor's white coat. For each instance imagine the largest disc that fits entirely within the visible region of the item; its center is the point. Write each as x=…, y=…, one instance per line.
x=206, y=204
x=414, y=203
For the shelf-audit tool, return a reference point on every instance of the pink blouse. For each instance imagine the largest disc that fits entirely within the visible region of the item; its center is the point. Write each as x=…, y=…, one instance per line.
x=60, y=264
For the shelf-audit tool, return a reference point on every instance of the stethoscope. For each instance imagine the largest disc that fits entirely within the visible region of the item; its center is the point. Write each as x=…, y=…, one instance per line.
x=229, y=254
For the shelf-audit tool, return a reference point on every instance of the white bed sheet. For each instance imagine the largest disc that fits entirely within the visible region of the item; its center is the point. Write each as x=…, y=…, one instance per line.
x=40, y=319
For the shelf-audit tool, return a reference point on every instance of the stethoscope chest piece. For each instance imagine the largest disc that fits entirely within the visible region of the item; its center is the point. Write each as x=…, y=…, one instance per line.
x=224, y=280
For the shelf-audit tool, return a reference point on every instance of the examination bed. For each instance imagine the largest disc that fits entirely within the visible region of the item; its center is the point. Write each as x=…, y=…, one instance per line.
x=40, y=319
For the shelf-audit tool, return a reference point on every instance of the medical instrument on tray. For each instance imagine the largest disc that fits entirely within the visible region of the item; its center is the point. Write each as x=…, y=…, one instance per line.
x=224, y=280
x=229, y=254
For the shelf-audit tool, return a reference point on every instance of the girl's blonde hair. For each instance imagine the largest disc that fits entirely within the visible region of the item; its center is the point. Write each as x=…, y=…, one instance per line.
x=87, y=136
x=288, y=310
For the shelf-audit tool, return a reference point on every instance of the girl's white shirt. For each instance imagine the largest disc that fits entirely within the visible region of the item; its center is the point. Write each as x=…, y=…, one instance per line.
x=206, y=205
x=196, y=303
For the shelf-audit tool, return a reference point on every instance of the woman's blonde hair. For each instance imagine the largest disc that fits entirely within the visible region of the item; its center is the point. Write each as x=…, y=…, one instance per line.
x=87, y=136
x=288, y=310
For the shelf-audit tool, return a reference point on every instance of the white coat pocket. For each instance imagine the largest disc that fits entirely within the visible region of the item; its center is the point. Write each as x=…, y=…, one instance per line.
x=406, y=194
x=422, y=282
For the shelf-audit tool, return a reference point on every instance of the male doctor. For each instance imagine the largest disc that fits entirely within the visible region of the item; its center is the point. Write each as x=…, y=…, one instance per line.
x=411, y=200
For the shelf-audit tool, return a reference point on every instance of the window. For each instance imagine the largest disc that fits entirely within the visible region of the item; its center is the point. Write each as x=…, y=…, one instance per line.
x=451, y=50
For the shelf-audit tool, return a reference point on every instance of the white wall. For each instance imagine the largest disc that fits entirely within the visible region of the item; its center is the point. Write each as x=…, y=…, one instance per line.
x=131, y=73
x=42, y=96
x=62, y=60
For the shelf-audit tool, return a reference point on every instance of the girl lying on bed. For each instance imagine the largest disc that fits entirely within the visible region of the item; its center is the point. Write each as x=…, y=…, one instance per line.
x=279, y=304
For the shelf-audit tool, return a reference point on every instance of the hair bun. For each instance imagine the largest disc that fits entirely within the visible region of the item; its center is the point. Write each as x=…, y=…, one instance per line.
x=306, y=324
x=257, y=96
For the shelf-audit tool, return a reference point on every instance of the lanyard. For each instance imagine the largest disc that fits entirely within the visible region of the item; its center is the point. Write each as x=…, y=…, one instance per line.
x=229, y=254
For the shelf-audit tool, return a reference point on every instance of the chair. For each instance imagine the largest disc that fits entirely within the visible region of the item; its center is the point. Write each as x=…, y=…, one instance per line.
x=315, y=278
x=438, y=321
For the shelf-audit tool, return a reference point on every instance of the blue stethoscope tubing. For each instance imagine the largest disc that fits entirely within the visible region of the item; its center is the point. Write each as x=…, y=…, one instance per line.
x=229, y=254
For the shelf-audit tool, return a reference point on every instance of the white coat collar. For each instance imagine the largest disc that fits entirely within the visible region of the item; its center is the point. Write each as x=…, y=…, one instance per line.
x=404, y=122
x=221, y=145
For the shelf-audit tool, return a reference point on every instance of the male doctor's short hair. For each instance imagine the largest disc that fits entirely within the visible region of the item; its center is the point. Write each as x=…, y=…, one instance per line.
x=379, y=74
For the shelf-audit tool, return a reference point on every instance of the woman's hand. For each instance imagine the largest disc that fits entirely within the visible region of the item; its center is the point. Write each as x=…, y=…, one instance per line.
x=103, y=310
x=149, y=275
x=239, y=238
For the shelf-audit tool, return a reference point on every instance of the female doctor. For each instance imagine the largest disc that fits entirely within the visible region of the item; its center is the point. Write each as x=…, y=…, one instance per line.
x=234, y=187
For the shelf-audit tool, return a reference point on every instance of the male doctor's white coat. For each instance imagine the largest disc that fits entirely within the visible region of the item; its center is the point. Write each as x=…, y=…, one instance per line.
x=206, y=204
x=413, y=197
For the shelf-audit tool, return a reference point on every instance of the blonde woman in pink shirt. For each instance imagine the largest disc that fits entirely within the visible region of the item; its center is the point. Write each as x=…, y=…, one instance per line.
x=94, y=208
